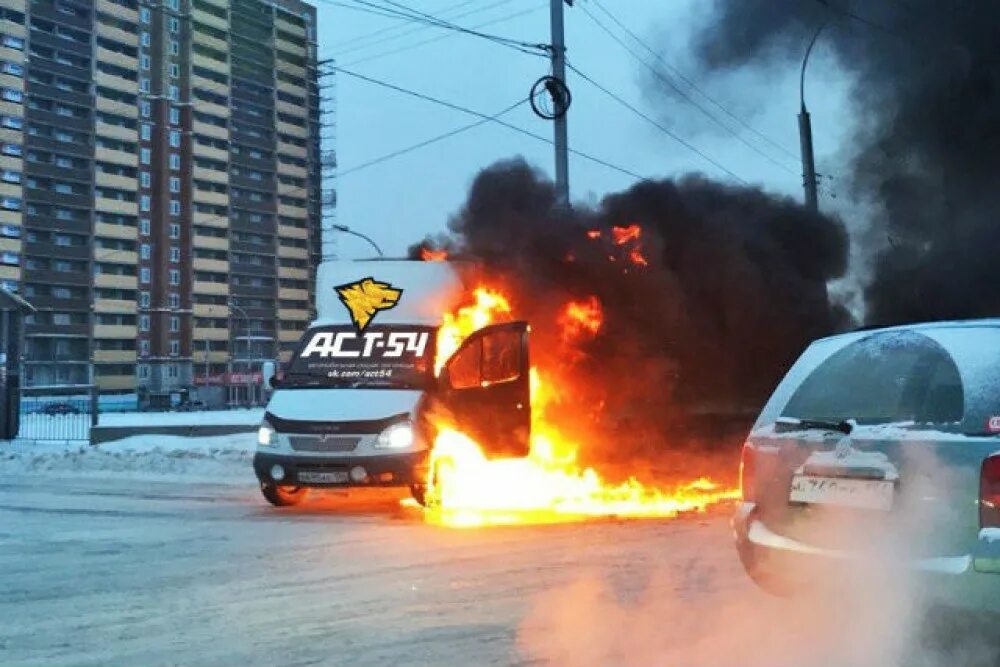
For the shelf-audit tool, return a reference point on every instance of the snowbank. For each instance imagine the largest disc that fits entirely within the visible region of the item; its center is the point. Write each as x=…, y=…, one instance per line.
x=225, y=458
x=249, y=417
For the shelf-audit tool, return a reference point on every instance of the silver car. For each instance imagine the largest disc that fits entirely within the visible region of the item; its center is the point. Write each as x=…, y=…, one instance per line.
x=882, y=446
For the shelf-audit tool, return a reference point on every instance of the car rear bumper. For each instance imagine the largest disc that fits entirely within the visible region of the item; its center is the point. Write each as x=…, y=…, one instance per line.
x=970, y=582
x=384, y=470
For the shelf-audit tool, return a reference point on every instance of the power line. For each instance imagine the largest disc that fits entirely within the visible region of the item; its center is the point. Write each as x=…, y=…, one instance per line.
x=427, y=142
x=437, y=38
x=465, y=110
x=660, y=75
x=691, y=83
x=654, y=123
x=353, y=42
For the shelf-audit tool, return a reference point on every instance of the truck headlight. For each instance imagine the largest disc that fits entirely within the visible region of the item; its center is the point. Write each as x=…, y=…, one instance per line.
x=397, y=436
x=265, y=435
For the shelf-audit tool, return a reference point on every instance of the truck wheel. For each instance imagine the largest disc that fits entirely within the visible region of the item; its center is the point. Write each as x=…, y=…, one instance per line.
x=283, y=496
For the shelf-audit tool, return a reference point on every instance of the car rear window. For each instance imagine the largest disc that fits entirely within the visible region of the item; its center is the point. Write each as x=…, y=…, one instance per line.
x=892, y=376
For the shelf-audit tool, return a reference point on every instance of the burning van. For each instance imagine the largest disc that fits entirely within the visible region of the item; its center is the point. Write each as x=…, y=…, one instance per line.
x=351, y=406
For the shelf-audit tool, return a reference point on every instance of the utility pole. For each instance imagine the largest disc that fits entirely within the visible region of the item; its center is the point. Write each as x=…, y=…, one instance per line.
x=805, y=132
x=558, y=55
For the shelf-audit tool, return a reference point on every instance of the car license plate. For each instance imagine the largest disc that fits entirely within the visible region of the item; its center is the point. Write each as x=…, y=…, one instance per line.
x=336, y=477
x=874, y=494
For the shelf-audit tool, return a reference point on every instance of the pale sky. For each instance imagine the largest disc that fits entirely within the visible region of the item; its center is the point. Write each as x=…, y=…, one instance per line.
x=398, y=201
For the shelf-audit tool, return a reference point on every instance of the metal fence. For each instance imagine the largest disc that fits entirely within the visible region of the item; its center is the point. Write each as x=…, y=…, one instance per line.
x=64, y=417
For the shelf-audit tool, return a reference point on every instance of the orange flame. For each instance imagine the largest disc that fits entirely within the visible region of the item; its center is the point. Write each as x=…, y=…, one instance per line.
x=433, y=255
x=466, y=488
x=593, y=233
x=581, y=317
x=622, y=235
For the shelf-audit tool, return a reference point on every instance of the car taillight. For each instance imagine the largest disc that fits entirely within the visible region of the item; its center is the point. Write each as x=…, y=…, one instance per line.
x=748, y=468
x=989, y=493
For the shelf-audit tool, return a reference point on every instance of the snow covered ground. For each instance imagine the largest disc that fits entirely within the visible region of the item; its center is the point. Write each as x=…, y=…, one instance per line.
x=159, y=551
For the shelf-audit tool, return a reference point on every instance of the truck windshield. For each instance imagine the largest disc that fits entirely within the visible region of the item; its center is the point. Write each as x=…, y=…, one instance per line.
x=380, y=357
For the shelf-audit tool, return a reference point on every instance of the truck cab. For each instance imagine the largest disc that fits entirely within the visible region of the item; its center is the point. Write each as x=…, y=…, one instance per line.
x=353, y=405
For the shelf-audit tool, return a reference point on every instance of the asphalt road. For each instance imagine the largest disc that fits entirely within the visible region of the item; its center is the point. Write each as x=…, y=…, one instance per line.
x=98, y=571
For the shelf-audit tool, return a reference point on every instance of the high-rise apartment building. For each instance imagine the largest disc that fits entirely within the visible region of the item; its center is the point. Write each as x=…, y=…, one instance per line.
x=159, y=186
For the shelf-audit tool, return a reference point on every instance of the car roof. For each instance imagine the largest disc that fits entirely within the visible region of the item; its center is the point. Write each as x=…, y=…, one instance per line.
x=988, y=322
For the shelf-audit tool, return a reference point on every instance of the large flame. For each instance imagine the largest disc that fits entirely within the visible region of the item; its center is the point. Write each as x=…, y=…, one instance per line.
x=549, y=485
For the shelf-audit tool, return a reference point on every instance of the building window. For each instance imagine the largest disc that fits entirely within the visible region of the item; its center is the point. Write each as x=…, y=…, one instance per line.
x=144, y=275
x=144, y=39
x=144, y=14
x=175, y=70
x=11, y=149
x=175, y=207
x=144, y=251
x=12, y=68
x=175, y=184
x=147, y=132
x=144, y=299
x=175, y=161
x=143, y=369
x=175, y=47
x=145, y=155
x=144, y=203
x=175, y=24
x=175, y=116
x=144, y=323
x=12, y=122
x=174, y=5
x=175, y=138
x=175, y=230
x=175, y=277
x=13, y=42
x=175, y=254
x=175, y=300
x=175, y=324
x=145, y=61
x=144, y=225
x=145, y=108
x=145, y=179
x=174, y=93
x=143, y=85
x=12, y=95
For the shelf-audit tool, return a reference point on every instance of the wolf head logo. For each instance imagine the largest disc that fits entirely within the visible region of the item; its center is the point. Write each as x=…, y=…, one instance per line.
x=365, y=297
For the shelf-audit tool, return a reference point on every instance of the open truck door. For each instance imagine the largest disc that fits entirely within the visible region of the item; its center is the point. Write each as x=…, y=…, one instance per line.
x=485, y=386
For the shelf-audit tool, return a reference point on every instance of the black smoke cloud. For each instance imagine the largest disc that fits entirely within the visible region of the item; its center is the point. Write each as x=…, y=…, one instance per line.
x=734, y=288
x=926, y=157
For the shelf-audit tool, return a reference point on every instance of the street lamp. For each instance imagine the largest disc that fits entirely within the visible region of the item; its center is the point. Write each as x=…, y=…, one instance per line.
x=347, y=230
x=805, y=131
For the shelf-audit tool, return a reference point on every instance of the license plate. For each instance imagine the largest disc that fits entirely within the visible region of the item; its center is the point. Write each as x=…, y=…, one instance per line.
x=874, y=494
x=336, y=477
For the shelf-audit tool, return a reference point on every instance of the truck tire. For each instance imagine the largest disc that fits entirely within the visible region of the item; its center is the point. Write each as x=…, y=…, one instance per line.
x=283, y=496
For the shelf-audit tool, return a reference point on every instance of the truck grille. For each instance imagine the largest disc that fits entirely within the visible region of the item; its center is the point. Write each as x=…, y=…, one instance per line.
x=329, y=443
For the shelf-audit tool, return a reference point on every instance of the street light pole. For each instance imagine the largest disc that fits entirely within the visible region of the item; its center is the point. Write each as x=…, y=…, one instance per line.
x=561, y=137
x=347, y=230
x=805, y=132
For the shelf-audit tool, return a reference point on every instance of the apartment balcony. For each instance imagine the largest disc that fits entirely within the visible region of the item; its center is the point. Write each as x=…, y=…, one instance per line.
x=57, y=331
x=116, y=206
x=11, y=55
x=289, y=336
x=292, y=88
x=114, y=356
x=112, y=256
x=214, y=356
x=289, y=68
x=214, y=109
x=210, y=220
x=293, y=212
x=52, y=250
x=115, y=58
x=214, y=265
x=118, y=306
x=292, y=150
x=292, y=109
x=117, y=10
x=10, y=81
x=11, y=28
x=210, y=310
x=210, y=242
x=293, y=170
x=116, y=132
x=117, y=35
x=214, y=175
x=209, y=197
x=117, y=83
x=216, y=333
x=210, y=63
x=115, y=181
x=214, y=131
x=293, y=273
x=117, y=157
x=115, y=382
x=294, y=130
x=291, y=294
x=112, y=281
x=107, y=230
x=116, y=331
x=292, y=252
x=10, y=272
x=200, y=37
x=201, y=150
x=210, y=20
x=206, y=287
x=293, y=314
x=112, y=106
x=10, y=190
x=10, y=245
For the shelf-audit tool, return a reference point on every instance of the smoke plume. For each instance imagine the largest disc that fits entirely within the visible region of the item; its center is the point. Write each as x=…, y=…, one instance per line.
x=708, y=291
x=926, y=96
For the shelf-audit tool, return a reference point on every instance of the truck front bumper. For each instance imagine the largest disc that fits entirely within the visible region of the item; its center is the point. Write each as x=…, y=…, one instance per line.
x=383, y=470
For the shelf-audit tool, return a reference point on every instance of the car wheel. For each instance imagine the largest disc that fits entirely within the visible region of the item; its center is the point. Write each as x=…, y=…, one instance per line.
x=283, y=496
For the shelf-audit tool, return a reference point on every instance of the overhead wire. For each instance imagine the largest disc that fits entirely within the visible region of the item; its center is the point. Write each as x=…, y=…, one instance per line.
x=660, y=75
x=691, y=147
